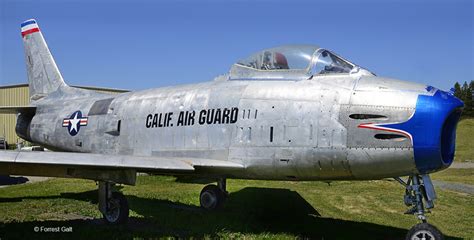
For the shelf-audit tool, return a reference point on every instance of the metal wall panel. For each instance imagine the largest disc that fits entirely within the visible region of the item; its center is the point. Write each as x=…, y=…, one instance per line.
x=16, y=95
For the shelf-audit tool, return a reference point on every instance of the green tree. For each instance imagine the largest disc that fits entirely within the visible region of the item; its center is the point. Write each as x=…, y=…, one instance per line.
x=466, y=94
x=469, y=101
x=457, y=90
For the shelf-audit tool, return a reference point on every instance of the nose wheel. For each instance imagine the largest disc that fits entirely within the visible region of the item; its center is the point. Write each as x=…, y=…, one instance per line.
x=424, y=231
x=420, y=194
x=213, y=196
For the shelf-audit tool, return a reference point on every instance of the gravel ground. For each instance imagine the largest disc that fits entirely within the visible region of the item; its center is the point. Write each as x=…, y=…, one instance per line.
x=458, y=187
x=462, y=165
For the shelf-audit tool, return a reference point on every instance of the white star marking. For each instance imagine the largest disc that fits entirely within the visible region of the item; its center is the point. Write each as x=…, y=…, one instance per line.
x=74, y=122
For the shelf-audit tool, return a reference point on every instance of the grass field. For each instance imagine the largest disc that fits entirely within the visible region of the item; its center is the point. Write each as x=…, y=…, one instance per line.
x=167, y=207
x=465, y=141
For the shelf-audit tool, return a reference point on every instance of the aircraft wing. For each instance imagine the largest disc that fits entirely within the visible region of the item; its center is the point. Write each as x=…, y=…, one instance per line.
x=112, y=161
x=59, y=164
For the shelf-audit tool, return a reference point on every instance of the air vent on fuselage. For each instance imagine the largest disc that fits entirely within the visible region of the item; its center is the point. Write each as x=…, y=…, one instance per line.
x=364, y=116
x=390, y=136
x=100, y=107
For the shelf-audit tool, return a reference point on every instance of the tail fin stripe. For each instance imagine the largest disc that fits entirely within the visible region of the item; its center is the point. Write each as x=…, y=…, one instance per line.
x=29, y=31
x=28, y=22
x=28, y=27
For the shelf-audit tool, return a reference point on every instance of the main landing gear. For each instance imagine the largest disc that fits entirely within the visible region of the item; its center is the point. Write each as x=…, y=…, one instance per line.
x=419, y=193
x=212, y=196
x=112, y=205
x=115, y=210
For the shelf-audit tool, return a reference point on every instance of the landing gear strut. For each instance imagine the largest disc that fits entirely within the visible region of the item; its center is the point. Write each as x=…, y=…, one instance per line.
x=112, y=205
x=212, y=196
x=419, y=193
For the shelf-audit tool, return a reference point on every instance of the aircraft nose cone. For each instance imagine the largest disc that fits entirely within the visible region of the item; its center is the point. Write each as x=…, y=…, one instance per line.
x=434, y=130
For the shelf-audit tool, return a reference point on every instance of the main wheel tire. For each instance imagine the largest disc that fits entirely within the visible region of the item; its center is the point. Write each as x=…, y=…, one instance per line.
x=424, y=231
x=211, y=197
x=118, y=209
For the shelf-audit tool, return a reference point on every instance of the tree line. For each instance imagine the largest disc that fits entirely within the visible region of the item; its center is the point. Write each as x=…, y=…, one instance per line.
x=465, y=93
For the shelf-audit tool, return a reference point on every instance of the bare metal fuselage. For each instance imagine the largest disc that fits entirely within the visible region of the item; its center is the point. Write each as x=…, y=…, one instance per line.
x=291, y=130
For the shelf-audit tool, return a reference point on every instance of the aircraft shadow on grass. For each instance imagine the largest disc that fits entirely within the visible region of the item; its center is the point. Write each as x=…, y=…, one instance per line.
x=6, y=180
x=248, y=211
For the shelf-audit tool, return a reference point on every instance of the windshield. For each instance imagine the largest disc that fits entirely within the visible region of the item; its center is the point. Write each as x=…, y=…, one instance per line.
x=329, y=63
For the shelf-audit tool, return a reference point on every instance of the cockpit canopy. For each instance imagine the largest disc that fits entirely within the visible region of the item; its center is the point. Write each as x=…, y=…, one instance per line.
x=286, y=57
x=291, y=62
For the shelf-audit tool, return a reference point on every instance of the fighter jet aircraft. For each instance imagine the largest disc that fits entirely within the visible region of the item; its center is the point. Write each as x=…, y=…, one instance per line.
x=296, y=112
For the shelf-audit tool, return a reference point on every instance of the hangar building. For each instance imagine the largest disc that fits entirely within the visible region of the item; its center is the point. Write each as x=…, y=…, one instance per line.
x=17, y=95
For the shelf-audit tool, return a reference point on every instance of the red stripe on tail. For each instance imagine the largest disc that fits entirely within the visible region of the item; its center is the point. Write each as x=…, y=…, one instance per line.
x=33, y=30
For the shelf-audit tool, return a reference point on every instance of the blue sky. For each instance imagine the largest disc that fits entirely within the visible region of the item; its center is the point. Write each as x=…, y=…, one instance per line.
x=145, y=44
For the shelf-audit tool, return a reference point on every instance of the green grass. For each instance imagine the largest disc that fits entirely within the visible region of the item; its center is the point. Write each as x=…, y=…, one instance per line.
x=162, y=206
x=465, y=141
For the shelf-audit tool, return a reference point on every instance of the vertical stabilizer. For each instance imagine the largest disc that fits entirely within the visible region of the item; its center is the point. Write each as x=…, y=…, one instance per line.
x=43, y=74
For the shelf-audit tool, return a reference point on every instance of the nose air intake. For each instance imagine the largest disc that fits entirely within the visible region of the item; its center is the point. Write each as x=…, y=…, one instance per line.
x=448, y=136
x=435, y=135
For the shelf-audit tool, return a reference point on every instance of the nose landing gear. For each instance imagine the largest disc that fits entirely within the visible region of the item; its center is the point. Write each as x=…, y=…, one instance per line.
x=419, y=192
